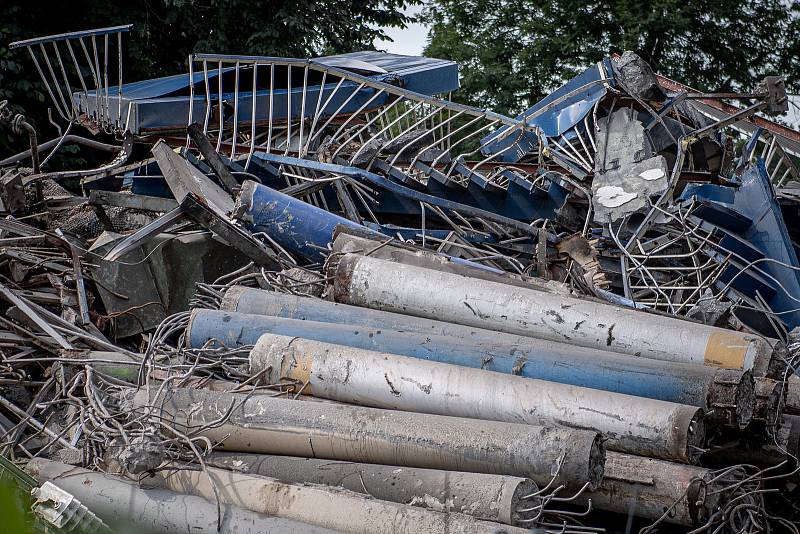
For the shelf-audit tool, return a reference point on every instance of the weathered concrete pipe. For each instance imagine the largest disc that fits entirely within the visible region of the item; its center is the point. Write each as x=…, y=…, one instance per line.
x=344, y=242
x=122, y=502
x=383, y=285
x=631, y=424
x=645, y=487
x=270, y=425
x=728, y=394
x=484, y=496
x=328, y=507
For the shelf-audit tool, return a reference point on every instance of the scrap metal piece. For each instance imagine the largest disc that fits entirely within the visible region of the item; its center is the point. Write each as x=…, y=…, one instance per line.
x=98, y=197
x=12, y=192
x=206, y=216
x=183, y=177
x=21, y=303
x=212, y=157
x=145, y=233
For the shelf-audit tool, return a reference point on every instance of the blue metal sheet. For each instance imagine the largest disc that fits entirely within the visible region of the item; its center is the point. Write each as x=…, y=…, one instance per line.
x=163, y=103
x=568, y=104
x=754, y=226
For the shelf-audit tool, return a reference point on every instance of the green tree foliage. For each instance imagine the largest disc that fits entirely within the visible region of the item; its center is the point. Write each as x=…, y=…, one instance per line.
x=166, y=31
x=513, y=52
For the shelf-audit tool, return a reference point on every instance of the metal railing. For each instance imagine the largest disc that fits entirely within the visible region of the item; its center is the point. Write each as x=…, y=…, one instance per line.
x=311, y=110
x=74, y=68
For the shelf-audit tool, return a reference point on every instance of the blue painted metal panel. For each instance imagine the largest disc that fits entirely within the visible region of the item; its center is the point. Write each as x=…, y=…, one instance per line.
x=570, y=104
x=755, y=229
x=555, y=362
x=163, y=103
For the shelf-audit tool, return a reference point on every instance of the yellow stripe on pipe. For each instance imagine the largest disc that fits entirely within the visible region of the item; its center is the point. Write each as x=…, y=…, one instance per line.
x=726, y=349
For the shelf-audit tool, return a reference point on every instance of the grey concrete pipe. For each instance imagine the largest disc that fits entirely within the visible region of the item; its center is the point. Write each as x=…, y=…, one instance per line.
x=632, y=424
x=270, y=425
x=344, y=243
x=124, y=504
x=384, y=285
x=727, y=395
x=324, y=506
x=484, y=496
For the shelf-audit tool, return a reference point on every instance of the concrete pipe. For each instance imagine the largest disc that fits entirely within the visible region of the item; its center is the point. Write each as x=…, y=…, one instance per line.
x=324, y=506
x=383, y=285
x=124, y=504
x=270, y=425
x=484, y=496
x=646, y=487
x=634, y=425
x=344, y=243
x=727, y=394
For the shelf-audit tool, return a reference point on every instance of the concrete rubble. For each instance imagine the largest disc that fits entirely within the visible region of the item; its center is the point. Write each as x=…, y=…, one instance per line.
x=317, y=296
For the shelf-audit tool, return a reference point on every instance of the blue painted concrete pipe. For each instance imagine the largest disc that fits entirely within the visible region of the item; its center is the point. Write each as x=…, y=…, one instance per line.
x=567, y=364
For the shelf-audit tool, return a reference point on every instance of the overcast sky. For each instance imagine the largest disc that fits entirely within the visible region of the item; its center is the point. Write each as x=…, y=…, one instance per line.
x=409, y=41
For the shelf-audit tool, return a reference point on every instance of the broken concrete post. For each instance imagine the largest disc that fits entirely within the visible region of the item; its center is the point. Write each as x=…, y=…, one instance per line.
x=259, y=424
x=123, y=503
x=382, y=285
x=634, y=425
x=646, y=487
x=770, y=400
x=792, y=405
x=327, y=507
x=484, y=496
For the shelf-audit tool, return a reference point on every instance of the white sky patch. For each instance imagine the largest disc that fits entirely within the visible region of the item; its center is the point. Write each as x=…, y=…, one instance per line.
x=408, y=41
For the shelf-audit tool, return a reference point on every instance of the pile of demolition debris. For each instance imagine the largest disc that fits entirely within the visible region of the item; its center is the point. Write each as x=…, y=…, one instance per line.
x=312, y=296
